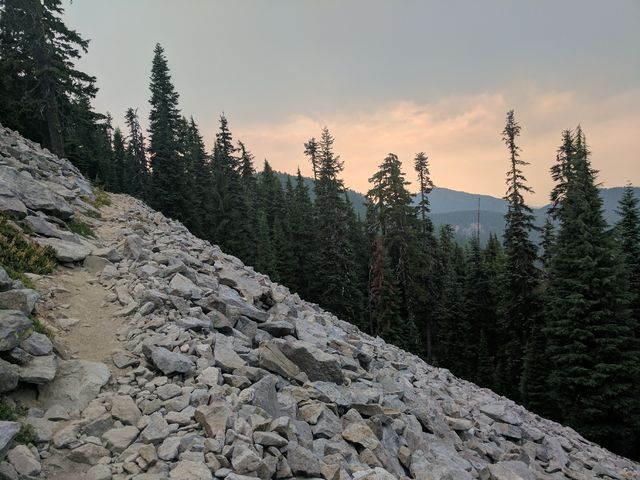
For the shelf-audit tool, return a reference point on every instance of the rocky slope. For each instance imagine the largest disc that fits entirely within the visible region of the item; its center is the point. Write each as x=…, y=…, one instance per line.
x=220, y=373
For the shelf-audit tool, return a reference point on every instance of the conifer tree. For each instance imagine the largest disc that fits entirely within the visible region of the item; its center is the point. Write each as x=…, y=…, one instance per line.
x=628, y=235
x=591, y=343
x=197, y=175
x=119, y=162
x=424, y=261
x=167, y=168
x=302, y=229
x=41, y=90
x=561, y=171
x=520, y=274
x=136, y=176
x=336, y=285
x=311, y=150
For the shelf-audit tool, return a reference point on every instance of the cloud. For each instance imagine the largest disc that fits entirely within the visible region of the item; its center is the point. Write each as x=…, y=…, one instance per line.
x=462, y=137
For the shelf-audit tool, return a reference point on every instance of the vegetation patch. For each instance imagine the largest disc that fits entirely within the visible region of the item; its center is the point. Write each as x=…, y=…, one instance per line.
x=20, y=254
x=81, y=228
x=10, y=413
x=101, y=198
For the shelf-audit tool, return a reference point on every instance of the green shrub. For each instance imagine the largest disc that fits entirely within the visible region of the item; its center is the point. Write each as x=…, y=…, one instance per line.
x=10, y=413
x=101, y=198
x=81, y=228
x=20, y=254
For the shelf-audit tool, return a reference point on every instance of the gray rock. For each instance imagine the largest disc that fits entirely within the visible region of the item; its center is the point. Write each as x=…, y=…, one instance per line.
x=509, y=470
x=123, y=408
x=500, y=412
x=302, y=461
x=213, y=418
x=9, y=377
x=225, y=356
x=33, y=193
x=182, y=286
x=269, y=439
x=193, y=323
x=39, y=370
x=244, y=460
x=37, y=344
x=169, y=449
x=66, y=251
x=157, y=429
x=5, y=280
x=124, y=360
x=42, y=227
x=265, y=396
x=317, y=364
x=88, y=454
x=24, y=461
x=99, y=472
x=77, y=383
x=14, y=325
x=118, y=439
x=169, y=362
x=8, y=431
x=190, y=470
x=271, y=358
x=12, y=206
x=280, y=328
x=23, y=299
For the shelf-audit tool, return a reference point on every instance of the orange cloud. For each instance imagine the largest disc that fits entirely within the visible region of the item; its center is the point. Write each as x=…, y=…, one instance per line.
x=462, y=137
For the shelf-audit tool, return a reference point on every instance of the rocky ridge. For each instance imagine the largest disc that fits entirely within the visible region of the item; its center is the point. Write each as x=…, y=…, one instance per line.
x=224, y=374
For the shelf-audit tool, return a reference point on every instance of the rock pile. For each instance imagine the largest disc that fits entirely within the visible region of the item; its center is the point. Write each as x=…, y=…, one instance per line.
x=227, y=375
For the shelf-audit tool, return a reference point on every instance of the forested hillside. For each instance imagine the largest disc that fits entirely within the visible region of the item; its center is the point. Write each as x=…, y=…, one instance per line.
x=555, y=327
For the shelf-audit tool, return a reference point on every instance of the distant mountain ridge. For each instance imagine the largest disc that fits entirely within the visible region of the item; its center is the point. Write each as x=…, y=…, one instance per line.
x=460, y=209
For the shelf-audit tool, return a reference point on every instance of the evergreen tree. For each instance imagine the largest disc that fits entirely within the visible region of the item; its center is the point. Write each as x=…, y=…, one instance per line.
x=119, y=162
x=166, y=191
x=520, y=273
x=548, y=239
x=311, y=150
x=42, y=93
x=302, y=241
x=424, y=285
x=561, y=171
x=250, y=206
x=336, y=285
x=591, y=343
x=136, y=176
x=628, y=235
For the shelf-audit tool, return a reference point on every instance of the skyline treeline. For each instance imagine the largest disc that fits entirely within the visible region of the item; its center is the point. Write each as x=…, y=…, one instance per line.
x=555, y=328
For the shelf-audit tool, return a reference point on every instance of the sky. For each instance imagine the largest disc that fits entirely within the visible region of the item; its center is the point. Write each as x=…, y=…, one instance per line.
x=386, y=76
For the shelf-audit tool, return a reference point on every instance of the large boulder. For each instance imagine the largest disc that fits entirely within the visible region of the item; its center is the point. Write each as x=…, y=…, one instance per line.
x=5, y=280
x=23, y=299
x=317, y=364
x=169, y=362
x=39, y=369
x=34, y=194
x=37, y=344
x=12, y=205
x=77, y=383
x=14, y=325
x=66, y=251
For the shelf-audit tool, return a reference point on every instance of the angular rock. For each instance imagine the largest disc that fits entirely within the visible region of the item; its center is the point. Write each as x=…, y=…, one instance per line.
x=317, y=364
x=118, y=439
x=39, y=370
x=99, y=472
x=8, y=431
x=23, y=299
x=190, y=470
x=24, y=461
x=9, y=377
x=225, y=356
x=12, y=206
x=6, y=282
x=213, y=418
x=271, y=358
x=280, y=328
x=182, y=286
x=88, y=454
x=77, y=383
x=37, y=344
x=169, y=362
x=302, y=461
x=14, y=325
x=65, y=251
x=157, y=429
x=123, y=408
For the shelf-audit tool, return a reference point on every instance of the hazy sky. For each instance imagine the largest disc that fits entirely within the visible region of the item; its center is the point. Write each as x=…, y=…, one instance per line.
x=386, y=76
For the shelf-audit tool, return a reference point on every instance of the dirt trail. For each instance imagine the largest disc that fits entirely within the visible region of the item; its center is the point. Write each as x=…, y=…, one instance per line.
x=78, y=296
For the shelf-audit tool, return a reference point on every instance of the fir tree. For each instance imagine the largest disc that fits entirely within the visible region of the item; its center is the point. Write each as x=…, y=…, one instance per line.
x=311, y=150
x=335, y=285
x=136, y=176
x=520, y=273
x=591, y=343
x=628, y=235
x=119, y=162
x=167, y=168
x=42, y=93
x=302, y=238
